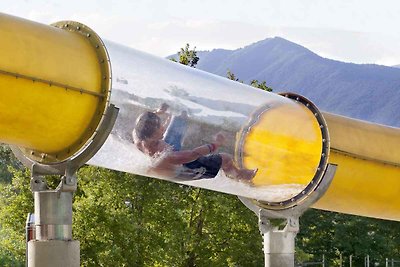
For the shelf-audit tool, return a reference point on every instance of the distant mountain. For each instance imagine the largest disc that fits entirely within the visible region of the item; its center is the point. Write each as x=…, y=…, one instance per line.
x=363, y=91
x=396, y=66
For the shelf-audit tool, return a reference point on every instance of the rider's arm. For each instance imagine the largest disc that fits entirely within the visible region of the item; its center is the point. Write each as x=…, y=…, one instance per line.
x=185, y=156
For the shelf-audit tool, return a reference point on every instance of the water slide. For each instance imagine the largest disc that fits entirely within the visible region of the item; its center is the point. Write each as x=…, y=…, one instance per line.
x=65, y=91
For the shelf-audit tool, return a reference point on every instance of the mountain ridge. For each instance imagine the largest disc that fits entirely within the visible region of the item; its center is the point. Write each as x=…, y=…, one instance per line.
x=363, y=91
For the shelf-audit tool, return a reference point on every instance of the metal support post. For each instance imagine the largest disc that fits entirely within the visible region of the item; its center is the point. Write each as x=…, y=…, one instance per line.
x=53, y=244
x=366, y=261
x=50, y=239
x=279, y=243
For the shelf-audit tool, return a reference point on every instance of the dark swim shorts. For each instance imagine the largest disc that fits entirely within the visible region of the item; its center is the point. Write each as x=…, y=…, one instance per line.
x=205, y=167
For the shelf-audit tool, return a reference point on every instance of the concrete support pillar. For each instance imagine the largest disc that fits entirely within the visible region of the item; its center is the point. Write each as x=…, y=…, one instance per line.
x=58, y=253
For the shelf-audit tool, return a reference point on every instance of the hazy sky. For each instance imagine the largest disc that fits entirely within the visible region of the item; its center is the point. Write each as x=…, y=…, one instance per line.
x=360, y=31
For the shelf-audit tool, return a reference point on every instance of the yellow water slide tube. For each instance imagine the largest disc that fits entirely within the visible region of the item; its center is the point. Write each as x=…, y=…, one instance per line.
x=55, y=83
x=367, y=155
x=54, y=86
x=367, y=180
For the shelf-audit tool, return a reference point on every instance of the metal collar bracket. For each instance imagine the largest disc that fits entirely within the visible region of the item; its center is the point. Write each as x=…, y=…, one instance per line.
x=68, y=182
x=297, y=210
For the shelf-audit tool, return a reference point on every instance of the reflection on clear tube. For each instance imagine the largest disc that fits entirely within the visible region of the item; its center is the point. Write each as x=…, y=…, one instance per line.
x=191, y=127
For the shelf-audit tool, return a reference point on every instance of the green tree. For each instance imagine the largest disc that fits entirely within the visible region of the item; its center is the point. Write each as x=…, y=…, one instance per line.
x=332, y=234
x=231, y=76
x=7, y=159
x=187, y=56
x=261, y=85
x=16, y=202
x=255, y=83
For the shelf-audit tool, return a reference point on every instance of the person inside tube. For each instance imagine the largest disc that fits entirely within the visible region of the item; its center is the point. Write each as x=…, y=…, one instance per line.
x=199, y=163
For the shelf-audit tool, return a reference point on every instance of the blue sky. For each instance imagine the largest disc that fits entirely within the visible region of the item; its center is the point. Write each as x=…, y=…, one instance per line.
x=348, y=30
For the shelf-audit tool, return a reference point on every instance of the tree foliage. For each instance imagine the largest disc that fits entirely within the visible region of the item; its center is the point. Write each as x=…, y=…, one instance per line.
x=261, y=85
x=16, y=202
x=255, y=83
x=231, y=76
x=332, y=234
x=187, y=56
x=7, y=159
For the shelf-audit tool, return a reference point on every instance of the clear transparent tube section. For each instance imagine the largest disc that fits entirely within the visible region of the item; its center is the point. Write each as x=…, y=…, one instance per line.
x=187, y=126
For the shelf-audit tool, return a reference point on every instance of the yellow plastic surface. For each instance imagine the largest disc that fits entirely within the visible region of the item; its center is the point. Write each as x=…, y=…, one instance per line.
x=54, y=117
x=367, y=180
x=362, y=187
x=285, y=145
x=367, y=140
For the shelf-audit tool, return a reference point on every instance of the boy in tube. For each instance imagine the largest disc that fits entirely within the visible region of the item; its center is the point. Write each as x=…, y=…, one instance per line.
x=199, y=163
